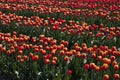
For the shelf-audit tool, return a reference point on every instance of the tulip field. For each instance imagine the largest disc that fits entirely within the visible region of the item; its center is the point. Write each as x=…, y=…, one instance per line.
x=59, y=39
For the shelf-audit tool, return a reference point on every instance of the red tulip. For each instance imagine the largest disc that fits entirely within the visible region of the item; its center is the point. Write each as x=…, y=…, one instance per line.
x=116, y=76
x=46, y=61
x=106, y=77
x=86, y=66
x=69, y=72
x=53, y=62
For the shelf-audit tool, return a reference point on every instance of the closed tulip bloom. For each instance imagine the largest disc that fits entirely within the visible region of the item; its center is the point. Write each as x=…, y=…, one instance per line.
x=104, y=66
x=114, y=63
x=116, y=76
x=35, y=58
x=116, y=67
x=106, y=77
x=46, y=61
x=54, y=58
x=106, y=60
x=93, y=55
x=78, y=54
x=112, y=58
x=53, y=62
x=22, y=60
x=83, y=55
x=99, y=58
x=62, y=52
x=69, y=72
x=86, y=66
x=66, y=58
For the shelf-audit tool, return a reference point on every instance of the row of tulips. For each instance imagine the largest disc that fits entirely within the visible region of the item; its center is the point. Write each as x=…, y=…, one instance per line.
x=62, y=3
x=71, y=31
x=77, y=4
x=41, y=58
x=66, y=30
x=111, y=7
x=111, y=13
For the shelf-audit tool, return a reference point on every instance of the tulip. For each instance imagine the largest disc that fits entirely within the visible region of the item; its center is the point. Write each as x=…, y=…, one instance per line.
x=83, y=55
x=18, y=57
x=66, y=58
x=78, y=54
x=25, y=57
x=46, y=61
x=53, y=62
x=35, y=58
x=20, y=52
x=104, y=66
x=116, y=76
x=116, y=67
x=54, y=58
x=106, y=60
x=86, y=66
x=62, y=52
x=99, y=58
x=92, y=65
x=93, y=55
x=22, y=60
x=106, y=77
x=112, y=58
x=31, y=54
x=8, y=52
x=69, y=72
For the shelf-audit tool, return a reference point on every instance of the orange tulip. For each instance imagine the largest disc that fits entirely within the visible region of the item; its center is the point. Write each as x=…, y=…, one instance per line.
x=66, y=58
x=104, y=66
x=53, y=62
x=116, y=67
x=46, y=61
x=62, y=52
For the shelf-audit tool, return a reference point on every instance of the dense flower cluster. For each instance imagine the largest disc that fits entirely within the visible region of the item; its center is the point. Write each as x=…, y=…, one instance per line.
x=107, y=11
x=59, y=39
x=46, y=50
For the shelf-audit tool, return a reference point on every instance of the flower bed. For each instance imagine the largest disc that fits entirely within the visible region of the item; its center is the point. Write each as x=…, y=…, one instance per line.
x=59, y=40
